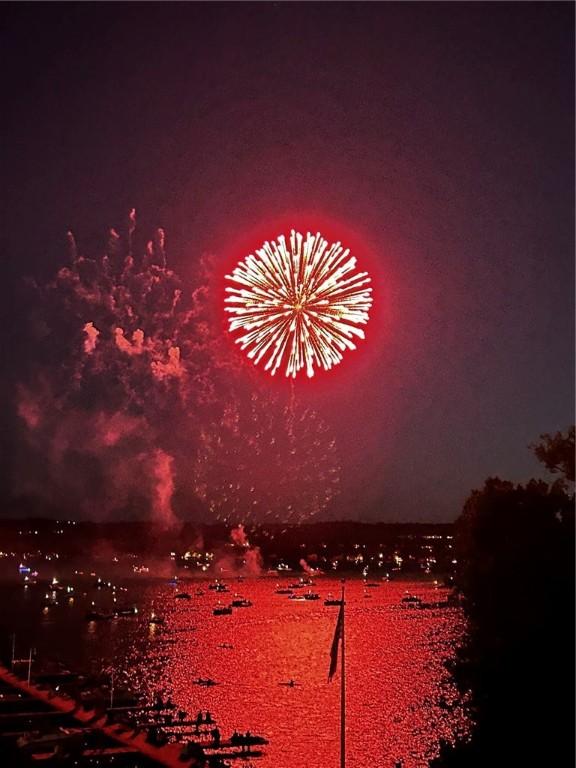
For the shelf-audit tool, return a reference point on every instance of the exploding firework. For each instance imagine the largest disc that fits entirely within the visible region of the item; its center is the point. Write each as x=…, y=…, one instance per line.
x=298, y=306
x=265, y=461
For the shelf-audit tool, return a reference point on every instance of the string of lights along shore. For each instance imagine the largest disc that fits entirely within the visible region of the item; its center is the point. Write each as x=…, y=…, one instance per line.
x=298, y=306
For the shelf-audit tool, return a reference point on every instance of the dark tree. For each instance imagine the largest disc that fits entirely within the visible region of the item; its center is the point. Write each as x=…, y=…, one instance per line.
x=556, y=452
x=515, y=669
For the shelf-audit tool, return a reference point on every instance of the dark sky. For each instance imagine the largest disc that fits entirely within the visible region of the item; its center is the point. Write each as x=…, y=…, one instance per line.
x=441, y=134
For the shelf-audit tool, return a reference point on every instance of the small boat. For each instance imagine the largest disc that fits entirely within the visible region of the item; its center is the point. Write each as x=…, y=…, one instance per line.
x=240, y=602
x=411, y=601
x=226, y=645
x=283, y=591
x=332, y=601
x=289, y=683
x=207, y=682
x=371, y=584
x=156, y=619
x=312, y=596
x=217, y=586
x=302, y=583
x=222, y=610
x=97, y=616
x=132, y=611
x=246, y=739
x=299, y=598
x=182, y=596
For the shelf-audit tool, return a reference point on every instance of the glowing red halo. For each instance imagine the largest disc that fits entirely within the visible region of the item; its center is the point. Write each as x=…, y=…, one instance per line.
x=298, y=305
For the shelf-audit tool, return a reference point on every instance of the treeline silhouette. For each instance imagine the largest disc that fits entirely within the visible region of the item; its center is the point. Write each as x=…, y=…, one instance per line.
x=515, y=669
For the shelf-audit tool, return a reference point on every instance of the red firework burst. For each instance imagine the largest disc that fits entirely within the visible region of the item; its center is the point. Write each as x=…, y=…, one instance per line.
x=298, y=306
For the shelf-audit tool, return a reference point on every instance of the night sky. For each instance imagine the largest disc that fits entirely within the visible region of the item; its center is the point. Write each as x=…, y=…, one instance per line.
x=440, y=135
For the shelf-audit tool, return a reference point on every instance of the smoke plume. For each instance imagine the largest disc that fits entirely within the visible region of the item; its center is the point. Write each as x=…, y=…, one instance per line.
x=132, y=405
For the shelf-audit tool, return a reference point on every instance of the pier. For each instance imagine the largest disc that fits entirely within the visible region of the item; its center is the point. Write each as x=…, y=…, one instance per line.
x=36, y=724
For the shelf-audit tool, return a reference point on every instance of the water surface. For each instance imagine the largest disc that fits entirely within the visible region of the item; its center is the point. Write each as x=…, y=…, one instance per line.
x=398, y=691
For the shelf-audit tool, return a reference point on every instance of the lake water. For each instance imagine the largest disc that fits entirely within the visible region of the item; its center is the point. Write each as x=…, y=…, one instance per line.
x=398, y=691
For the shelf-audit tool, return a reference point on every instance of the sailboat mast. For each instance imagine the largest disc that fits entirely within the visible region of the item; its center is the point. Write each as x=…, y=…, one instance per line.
x=343, y=693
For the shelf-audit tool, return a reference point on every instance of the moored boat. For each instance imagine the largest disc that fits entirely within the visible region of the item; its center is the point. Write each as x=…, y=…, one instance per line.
x=240, y=602
x=411, y=601
x=332, y=601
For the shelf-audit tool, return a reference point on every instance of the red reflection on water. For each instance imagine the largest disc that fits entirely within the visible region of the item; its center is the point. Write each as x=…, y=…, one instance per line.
x=397, y=686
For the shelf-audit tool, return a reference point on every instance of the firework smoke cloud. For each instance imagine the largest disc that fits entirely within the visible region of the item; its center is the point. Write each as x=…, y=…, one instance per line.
x=132, y=406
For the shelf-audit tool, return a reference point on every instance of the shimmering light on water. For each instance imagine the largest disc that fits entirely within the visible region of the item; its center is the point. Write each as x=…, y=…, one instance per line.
x=398, y=691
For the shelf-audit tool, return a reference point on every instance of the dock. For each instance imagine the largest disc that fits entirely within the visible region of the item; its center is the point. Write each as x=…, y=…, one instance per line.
x=37, y=724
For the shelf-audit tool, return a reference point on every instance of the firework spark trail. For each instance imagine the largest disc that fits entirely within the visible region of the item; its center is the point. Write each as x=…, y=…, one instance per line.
x=300, y=304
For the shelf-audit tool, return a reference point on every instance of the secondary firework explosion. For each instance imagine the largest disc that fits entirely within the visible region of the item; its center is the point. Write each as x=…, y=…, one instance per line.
x=298, y=306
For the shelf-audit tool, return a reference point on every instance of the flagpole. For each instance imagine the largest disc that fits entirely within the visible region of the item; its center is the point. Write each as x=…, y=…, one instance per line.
x=342, y=694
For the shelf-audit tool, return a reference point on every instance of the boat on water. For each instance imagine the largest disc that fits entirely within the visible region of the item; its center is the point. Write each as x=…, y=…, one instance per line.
x=411, y=601
x=240, y=602
x=222, y=610
x=289, y=683
x=182, y=596
x=218, y=586
x=371, y=584
x=283, y=591
x=303, y=582
x=332, y=601
x=207, y=682
x=98, y=616
x=311, y=596
x=239, y=745
x=156, y=620
x=299, y=598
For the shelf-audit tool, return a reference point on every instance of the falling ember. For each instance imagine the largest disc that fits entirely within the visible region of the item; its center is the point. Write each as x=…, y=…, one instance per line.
x=298, y=305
